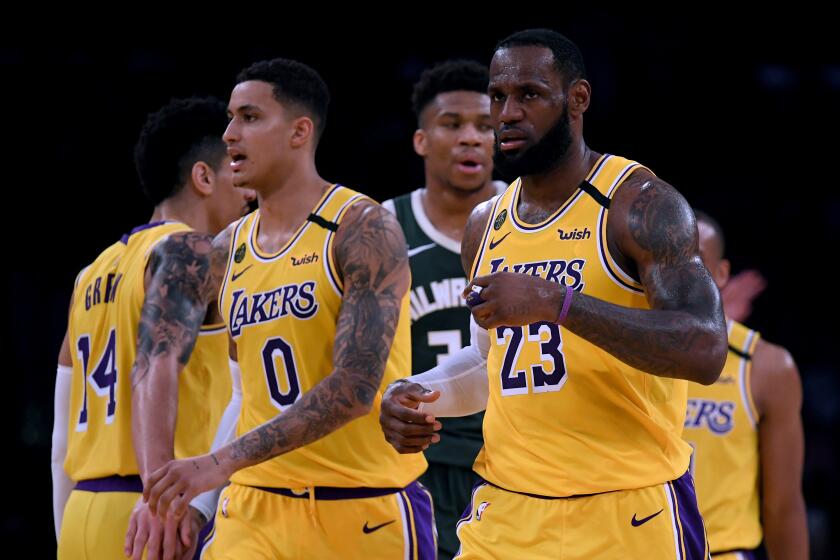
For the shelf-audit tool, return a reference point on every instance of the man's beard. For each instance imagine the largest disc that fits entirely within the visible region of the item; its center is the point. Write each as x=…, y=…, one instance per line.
x=540, y=158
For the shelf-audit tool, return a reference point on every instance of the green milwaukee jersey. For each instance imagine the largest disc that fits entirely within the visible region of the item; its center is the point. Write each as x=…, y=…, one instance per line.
x=440, y=319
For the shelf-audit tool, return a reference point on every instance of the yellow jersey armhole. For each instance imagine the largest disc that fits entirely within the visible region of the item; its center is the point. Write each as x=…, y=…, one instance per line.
x=752, y=342
x=615, y=272
x=79, y=277
x=476, y=264
x=329, y=257
x=231, y=255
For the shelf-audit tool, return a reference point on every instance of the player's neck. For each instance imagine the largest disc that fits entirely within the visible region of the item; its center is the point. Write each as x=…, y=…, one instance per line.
x=448, y=208
x=285, y=206
x=179, y=209
x=553, y=188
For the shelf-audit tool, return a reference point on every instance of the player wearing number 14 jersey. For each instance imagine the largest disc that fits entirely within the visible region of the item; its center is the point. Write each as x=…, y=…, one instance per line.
x=185, y=172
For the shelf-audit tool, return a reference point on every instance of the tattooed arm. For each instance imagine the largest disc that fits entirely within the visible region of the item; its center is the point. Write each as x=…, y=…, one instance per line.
x=684, y=334
x=651, y=230
x=183, y=276
x=371, y=254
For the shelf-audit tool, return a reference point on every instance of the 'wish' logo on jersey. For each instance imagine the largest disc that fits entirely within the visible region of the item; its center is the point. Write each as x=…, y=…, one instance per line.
x=717, y=416
x=297, y=299
x=443, y=294
x=568, y=273
x=306, y=259
x=574, y=234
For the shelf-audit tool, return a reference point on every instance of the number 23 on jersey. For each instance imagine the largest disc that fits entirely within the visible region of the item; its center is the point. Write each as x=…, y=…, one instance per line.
x=546, y=368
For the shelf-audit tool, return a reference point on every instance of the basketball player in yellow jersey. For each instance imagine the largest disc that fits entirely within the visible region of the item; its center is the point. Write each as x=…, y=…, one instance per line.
x=597, y=309
x=747, y=437
x=315, y=297
x=184, y=170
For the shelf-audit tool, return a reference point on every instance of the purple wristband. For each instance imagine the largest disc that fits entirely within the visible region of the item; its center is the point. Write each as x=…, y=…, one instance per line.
x=567, y=302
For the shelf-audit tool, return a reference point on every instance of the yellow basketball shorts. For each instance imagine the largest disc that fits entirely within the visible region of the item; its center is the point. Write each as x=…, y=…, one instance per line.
x=276, y=523
x=96, y=518
x=657, y=522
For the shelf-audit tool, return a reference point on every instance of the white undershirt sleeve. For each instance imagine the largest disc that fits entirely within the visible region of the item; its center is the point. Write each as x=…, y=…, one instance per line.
x=461, y=378
x=62, y=485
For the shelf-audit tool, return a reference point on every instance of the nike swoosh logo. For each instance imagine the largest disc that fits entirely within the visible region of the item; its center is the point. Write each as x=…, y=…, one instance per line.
x=236, y=275
x=367, y=529
x=420, y=249
x=636, y=522
x=494, y=244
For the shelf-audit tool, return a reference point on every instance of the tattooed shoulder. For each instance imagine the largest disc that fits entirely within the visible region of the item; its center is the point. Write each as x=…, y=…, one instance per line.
x=177, y=295
x=650, y=216
x=182, y=260
x=369, y=245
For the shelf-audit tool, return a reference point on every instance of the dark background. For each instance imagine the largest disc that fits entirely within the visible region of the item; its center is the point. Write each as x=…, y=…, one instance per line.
x=740, y=116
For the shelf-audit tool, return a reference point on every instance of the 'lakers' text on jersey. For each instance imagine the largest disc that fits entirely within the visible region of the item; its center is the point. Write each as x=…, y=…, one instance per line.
x=565, y=417
x=281, y=310
x=720, y=424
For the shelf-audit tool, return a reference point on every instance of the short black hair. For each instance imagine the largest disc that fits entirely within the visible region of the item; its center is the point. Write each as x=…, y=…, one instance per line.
x=567, y=57
x=173, y=139
x=452, y=75
x=293, y=83
x=715, y=225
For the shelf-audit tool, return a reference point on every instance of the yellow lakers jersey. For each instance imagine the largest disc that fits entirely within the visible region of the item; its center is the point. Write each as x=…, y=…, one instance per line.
x=103, y=327
x=720, y=424
x=204, y=388
x=281, y=310
x=98, y=427
x=565, y=417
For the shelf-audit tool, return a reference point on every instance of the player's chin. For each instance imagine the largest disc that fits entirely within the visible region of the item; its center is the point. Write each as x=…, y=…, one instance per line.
x=241, y=180
x=468, y=183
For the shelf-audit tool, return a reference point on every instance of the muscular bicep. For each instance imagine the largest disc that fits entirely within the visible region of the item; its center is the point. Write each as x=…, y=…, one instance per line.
x=370, y=251
x=653, y=229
